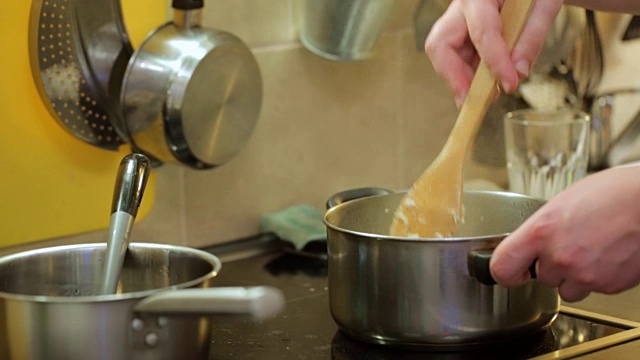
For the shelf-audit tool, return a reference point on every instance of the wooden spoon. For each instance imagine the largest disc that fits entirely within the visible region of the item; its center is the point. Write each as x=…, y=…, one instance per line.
x=433, y=205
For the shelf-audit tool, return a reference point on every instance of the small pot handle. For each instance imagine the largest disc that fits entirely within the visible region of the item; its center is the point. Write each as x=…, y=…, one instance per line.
x=187, y=4
x=256, y=303
x=348, y=195
x=478, y=264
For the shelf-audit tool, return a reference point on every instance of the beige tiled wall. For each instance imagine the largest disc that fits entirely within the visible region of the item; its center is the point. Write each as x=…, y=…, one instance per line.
x=325, y=126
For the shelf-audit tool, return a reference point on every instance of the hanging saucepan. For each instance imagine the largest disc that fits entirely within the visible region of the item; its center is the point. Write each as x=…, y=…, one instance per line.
x=435, y=293
x=190, y=93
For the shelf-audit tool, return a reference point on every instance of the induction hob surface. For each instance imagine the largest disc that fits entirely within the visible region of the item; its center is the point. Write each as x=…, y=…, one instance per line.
x=306, y=330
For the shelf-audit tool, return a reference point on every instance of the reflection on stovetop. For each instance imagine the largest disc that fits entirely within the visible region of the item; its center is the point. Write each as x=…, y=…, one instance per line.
x=565, y=332
x=306, y=330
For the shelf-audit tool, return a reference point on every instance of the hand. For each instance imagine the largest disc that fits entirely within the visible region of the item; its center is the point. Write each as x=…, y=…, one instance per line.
x=471, y=29
x=585, y=239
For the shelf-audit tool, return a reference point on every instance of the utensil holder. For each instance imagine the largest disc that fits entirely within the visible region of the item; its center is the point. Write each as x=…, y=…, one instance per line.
x=344, y=30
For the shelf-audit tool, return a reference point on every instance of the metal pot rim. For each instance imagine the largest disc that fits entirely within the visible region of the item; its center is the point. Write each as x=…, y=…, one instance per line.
x=212, y=259
x=380, y=237
x=376, y=237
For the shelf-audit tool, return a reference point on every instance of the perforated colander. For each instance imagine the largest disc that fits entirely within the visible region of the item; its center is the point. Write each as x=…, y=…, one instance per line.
x=64, y=77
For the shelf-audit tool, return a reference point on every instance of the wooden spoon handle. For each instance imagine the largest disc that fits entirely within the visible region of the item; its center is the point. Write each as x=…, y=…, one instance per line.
x=433, y=206
x=514, y=15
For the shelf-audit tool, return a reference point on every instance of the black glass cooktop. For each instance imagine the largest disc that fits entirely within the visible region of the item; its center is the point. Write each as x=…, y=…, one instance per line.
x=306, y=330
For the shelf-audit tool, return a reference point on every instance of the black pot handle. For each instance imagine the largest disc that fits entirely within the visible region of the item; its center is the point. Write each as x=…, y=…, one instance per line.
x=478, y=264
x=348, y=195
x=187, y=4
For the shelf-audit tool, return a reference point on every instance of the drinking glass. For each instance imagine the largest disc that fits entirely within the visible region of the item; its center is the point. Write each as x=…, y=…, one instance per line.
x=546, y=151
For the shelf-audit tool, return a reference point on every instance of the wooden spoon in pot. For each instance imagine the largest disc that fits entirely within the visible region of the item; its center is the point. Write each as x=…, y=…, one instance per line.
x=433, y=205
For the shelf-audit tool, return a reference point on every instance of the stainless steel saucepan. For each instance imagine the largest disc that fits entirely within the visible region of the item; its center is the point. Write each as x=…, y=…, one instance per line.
x=190, y=93
x=50, y=307
x=434, y=293
x=118, y=300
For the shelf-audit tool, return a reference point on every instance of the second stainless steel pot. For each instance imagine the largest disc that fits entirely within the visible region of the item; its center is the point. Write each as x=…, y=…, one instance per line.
x=421, y=292
x=50, y=307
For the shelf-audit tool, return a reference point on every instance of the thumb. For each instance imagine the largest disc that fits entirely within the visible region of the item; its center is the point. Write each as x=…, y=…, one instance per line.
x=513, y=257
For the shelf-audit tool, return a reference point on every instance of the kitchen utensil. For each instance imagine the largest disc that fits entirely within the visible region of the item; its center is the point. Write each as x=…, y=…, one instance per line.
x=421, y=292
x=433, y=205
x=344, y=30
x=131, y=181
x=78, y=55
x=47, y=172
x=50, y=307
x=598, y=56
x=601, y=113
x=626, y=148
x=560, y=42
x=589, y=62
x=190, y=93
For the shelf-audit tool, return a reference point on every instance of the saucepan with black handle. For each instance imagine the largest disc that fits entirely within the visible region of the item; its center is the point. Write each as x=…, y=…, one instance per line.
x=435, y=292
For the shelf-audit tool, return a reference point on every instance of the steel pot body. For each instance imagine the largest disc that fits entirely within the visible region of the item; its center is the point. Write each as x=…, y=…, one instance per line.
x=421, y=292
x=191, y=94
x=49, y=310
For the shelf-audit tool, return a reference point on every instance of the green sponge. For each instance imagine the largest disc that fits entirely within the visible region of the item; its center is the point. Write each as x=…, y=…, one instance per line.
x=298, y=224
